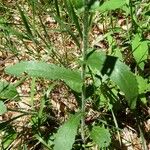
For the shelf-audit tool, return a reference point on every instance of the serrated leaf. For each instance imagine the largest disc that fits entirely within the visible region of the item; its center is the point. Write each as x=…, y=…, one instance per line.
x=65, y=136
x=111, y=5
x=3, y=108
x=8, y=91
x=118, y=72
x=47, y=71
x=101, y=136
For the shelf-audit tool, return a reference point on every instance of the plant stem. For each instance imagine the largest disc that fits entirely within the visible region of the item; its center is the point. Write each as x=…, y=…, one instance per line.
x=83, y=67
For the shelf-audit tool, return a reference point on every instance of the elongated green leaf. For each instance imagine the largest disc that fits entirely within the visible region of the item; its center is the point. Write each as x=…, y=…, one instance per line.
x=73, y=16
x=117, y=72
x=47, y=71
x=13, y=31
x=66, y=134
x=40, y=139
x=8, y=91
x=25, y=21
x=8, y=138
x=3, y=108
x=101, y=136
x=112, y=5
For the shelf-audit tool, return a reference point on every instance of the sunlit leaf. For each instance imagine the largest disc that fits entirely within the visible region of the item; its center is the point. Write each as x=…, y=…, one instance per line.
x=117, y=72
x=101, y=136
x=112, y=5
x=65, y=136
x=47, y=71
x=142, y=84
x=140, y=50
x=8, y=91
x=3, y=108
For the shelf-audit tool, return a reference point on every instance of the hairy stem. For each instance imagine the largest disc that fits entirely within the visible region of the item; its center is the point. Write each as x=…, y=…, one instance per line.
x=83, y=71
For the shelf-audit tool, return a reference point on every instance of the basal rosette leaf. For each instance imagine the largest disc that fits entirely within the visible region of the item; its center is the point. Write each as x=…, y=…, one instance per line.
x=65, y=136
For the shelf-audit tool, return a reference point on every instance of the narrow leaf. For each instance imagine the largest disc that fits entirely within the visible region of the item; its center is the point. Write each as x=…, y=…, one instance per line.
x=25, y=21
x=40, y=139
x=101, y=136
x=9, y=137
x=117, y=72
x=65, y=136
x=47, y=71
x=66, y=28
x=73, y=16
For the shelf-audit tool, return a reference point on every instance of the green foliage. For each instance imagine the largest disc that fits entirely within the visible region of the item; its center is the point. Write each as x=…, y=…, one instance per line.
x=65, y=136
x=143, y=85
x=117, y=72
x=111, y=5
x=47, y=71
x=102, y=83
x=3, y=108
x=101, y=136
x=78, y=3
x=140, y=50
x=8, y=91
x=25, y=21
x=9, y=136
x=73, y=16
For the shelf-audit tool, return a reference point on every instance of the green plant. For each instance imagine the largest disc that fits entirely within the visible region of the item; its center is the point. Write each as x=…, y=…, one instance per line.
x=111, y=82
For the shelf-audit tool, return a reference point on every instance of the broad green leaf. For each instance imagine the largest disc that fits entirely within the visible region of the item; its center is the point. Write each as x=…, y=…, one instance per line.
x=3, y=108
x=8, y=91
x=140, y=50
x=47, y=71
x=111, y=5
x=65, y=136
x=101, y=136
x=118, y=72
x=142, y=84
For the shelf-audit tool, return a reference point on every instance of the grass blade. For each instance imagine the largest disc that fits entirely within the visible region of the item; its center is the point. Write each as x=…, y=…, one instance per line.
x=25, y=21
